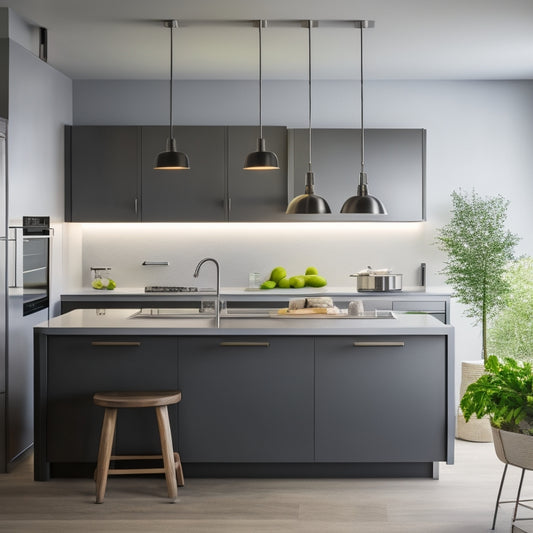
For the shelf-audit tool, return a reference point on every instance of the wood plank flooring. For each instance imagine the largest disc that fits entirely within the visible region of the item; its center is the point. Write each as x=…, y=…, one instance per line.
x=461, y=501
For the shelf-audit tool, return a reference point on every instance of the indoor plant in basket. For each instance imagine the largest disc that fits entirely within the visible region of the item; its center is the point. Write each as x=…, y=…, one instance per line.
x=479, y=248
x=504, y=393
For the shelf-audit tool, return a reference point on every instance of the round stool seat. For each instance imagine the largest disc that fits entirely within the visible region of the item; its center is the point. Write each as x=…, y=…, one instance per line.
x=136, y=399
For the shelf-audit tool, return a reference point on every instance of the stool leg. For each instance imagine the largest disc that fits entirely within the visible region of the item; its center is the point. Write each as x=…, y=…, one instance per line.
x=179, y=470
x=104, y=452
x=167, y=451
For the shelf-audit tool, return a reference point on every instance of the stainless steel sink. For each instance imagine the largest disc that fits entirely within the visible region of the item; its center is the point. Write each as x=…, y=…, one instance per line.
x=169, y=312
x=172, y=312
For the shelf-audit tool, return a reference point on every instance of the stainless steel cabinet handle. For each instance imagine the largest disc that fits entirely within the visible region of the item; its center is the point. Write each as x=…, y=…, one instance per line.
x=261, y=344
x=379, y=343
x=136, y=205
x=115, y=343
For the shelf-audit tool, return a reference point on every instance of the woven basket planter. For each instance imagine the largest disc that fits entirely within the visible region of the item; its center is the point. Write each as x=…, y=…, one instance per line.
x=475, y=430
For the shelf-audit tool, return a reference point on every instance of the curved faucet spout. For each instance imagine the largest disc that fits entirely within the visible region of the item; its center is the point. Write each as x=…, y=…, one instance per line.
x=197, y=272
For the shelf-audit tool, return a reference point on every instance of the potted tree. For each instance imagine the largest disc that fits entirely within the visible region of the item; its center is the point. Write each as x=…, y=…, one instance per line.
x=478, y=248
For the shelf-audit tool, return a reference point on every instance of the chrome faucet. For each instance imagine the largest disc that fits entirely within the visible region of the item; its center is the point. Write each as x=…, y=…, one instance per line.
x=217, y=303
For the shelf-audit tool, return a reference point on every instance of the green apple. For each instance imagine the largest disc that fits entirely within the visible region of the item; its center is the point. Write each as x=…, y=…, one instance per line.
x=311, y=271
x=97, y=284
x=268, y=284
x=297, y=282
x=111, y=285
x=277, y=274
x=315, y=281
x=284, y=283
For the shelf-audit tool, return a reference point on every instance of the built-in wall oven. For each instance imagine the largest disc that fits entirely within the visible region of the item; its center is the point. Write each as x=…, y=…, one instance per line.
x=35, y=264
x=31, y=263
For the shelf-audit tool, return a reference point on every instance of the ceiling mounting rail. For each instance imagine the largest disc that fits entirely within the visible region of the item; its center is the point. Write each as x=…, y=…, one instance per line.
x=279, y=23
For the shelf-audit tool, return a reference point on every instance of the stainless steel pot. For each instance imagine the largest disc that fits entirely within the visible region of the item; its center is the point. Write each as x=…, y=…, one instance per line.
x=370, y=281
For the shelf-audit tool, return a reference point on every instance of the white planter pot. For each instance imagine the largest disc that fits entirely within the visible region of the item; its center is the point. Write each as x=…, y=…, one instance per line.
x=475, y=430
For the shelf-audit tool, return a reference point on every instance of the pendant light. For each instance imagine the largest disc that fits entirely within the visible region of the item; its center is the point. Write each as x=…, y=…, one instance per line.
x=309, y=202
x=171, y=159
x=363, y=203
x=261, y=159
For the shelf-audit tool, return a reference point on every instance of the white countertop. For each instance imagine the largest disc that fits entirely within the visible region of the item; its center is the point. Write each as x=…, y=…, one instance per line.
x=119, y=322
x=138, y=292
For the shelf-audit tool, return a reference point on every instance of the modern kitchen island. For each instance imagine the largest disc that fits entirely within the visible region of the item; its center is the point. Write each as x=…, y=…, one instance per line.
x=263, y=395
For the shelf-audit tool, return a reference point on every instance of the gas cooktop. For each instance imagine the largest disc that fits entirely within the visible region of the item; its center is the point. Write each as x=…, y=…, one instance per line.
x=167, y=288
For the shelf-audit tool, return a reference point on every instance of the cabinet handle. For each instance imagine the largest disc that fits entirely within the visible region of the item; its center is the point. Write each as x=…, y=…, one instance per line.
x=260, y=344
x=379, y=343
x=115, y=343
x=136, y=205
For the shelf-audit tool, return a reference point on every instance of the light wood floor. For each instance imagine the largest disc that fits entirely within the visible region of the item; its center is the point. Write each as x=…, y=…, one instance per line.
x=461, y=501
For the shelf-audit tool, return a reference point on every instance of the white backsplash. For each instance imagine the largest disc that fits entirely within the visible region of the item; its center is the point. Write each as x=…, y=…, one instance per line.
x=336, y=249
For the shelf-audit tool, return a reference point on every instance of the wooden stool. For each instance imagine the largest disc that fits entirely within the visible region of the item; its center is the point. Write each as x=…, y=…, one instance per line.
x=171, y=460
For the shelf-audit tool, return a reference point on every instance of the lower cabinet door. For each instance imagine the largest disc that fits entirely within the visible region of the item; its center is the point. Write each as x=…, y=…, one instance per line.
x=246, y=399
x=381, y=399
x=80, y=366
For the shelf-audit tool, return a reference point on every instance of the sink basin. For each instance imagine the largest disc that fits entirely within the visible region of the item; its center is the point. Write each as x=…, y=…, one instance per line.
x=168, y=312
x=175, y=312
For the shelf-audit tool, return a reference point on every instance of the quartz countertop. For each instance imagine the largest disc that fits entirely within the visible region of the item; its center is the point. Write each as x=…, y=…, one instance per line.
x=120, y=322
x=245, y=293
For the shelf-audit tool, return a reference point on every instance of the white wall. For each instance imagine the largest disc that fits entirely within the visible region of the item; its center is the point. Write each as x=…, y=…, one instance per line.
x=478, y=135
x=40, y=104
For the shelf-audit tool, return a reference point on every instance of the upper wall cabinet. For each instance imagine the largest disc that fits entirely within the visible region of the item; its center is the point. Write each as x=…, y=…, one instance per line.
x=102, y=167
x=194, y=195
x=256, y=195
x=395, y=162
x=110, y=175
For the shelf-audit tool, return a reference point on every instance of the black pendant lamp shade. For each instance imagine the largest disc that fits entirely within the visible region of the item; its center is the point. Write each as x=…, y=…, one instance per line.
x=309, y=202
x=171, y=159
x=363, y=203
x=261, y=159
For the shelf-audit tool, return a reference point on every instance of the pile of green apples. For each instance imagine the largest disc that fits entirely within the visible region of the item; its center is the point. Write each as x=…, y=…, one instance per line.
x=103, y=283
x=279, y=279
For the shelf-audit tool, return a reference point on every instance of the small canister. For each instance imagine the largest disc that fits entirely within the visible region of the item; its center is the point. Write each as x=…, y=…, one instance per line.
x=356, y=308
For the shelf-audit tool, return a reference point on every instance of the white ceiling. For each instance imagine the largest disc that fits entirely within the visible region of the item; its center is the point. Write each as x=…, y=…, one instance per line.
x=412, y=39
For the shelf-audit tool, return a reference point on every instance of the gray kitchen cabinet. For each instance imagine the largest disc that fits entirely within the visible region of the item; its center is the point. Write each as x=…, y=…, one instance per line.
x=377, y=401
x=102, y=173
x=77, y=368
x=395, y=161
x=256, y=195
x=246, y=399
x=194, y=195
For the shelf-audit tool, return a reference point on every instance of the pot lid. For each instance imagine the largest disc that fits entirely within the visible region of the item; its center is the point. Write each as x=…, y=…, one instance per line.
x=369, y=271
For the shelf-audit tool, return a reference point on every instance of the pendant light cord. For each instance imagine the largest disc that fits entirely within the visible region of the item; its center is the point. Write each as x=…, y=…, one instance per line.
x=171, y=135
x=309, y=88
x=260, y=81
x=362, y=112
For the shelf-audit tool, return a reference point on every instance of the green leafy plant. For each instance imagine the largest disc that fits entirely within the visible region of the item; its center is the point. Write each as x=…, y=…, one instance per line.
x=479, y=249
x=504, y=393
x=510, y=333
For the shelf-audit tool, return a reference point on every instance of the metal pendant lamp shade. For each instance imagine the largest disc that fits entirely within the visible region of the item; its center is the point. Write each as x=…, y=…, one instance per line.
x=309, y=202
x=363, y=203
x=171, y=159
x=261, y=159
